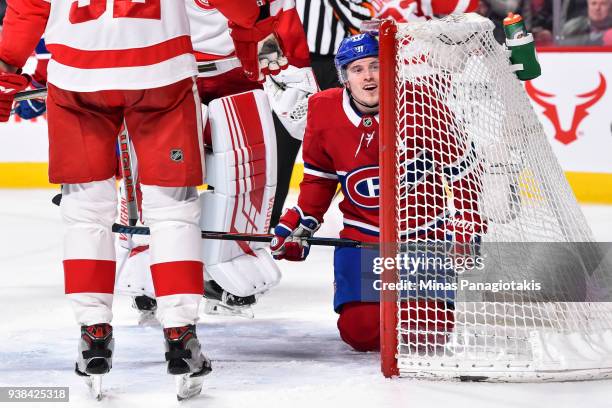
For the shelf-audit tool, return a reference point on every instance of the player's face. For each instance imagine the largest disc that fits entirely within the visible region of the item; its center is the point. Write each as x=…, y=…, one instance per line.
x=362, y=80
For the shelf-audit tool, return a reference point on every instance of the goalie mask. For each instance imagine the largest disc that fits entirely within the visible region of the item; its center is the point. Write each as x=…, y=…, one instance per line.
x=352, y=49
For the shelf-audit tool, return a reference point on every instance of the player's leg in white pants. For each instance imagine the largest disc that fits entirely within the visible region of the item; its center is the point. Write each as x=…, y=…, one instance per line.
x=88, y=211
x=171, y=213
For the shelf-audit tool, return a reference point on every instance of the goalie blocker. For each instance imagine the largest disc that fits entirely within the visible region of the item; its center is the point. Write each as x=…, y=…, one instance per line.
x=241, y=177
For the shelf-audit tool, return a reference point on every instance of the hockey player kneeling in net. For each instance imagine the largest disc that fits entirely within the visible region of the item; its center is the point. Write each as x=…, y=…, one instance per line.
x=344, y=148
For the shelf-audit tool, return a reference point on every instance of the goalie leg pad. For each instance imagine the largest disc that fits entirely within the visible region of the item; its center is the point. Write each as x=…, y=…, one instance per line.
x=241, y=167
x=134, y=273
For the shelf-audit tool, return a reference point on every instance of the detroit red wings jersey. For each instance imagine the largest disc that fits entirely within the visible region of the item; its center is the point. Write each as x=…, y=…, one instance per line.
x=118, y=44
x=105, y=44
x=209, y=31
x=342, y=146
x=211, y=38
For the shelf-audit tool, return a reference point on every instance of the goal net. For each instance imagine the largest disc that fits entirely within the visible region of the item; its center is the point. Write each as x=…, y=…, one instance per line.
x=511, y=285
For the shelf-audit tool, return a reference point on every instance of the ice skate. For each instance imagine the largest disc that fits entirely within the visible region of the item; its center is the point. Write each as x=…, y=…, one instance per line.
x=221, y=302
x=185, y=360
x=95, y=355
x=146, y=308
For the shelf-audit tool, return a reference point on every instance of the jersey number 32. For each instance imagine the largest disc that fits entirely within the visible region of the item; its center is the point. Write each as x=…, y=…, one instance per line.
x=149, y=9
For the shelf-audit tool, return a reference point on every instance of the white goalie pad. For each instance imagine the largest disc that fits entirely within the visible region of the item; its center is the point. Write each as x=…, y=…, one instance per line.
x=288, y=94
x=133, y=271
x=241, y=167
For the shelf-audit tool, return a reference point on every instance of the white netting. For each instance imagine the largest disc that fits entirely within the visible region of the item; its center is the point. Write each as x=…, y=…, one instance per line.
x=469, y=143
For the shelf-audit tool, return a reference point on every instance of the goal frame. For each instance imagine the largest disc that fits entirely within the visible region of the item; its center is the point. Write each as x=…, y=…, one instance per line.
x=388, y=191
x=548, y=338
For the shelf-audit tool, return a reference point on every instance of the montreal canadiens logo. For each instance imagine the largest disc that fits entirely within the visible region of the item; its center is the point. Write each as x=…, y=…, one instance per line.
x=204, y=4
x=362, y=187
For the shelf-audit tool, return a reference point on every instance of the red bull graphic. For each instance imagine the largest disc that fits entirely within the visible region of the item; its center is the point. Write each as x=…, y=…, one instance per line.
x=567, y=136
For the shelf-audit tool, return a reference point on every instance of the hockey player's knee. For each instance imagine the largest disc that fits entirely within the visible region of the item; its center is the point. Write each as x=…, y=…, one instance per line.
x=90, y=203
x=173, y=215
x=169, y=204
x=359, y=325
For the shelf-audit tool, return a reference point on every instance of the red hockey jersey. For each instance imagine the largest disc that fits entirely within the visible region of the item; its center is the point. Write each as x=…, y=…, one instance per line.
x=340, y=145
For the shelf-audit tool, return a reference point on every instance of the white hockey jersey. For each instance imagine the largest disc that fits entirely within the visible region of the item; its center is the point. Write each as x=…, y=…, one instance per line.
x=211, y=40
x=209, y=31
x=118, y=45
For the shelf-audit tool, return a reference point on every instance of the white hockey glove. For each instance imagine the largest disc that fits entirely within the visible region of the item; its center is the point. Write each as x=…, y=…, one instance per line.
x=288, y=93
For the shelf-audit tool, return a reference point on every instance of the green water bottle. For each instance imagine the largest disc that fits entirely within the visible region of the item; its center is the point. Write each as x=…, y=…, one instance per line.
x=522, y=48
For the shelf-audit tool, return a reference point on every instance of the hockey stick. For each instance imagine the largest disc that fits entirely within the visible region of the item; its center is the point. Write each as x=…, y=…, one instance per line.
x=128, y=176
x=42, y=92
x=31, y=94
x=230, y=236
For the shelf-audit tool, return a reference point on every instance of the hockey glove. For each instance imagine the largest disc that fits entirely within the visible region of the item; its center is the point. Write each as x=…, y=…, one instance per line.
x=10, y=85
x=465, y=231
x=290, y=235
x=288, y=94
x=258, y=48
x=31, y=108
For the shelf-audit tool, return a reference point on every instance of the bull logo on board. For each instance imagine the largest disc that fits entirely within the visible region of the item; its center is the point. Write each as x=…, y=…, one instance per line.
x=567, y=136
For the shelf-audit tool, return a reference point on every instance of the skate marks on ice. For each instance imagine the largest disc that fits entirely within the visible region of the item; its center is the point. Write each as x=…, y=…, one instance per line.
x=250, y=356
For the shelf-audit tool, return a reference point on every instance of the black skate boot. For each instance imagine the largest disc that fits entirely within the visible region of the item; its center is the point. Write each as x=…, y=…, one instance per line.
x=185, y=360
x=221, y=302
x=95, y=355
x=146, y=307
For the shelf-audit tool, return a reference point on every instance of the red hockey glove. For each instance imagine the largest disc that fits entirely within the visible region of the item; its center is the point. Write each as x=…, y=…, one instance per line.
x=10, y=85
x=258, y=48
x=465, y=230
x=290, y=235
x=273, y=43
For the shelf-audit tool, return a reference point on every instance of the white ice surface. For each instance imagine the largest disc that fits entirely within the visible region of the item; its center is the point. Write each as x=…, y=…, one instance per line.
x=290, y=355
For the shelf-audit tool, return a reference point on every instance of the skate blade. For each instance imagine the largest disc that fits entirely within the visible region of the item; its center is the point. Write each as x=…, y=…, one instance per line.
x=216, y=308
x=94, y=382
x=188, y=386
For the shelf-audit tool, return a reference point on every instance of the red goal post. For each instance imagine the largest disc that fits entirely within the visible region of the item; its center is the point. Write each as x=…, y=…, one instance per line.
x=388, y=224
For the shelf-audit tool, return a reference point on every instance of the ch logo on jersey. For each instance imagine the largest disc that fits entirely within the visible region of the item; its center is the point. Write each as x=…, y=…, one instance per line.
x=204, y=4
x=362, y=187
